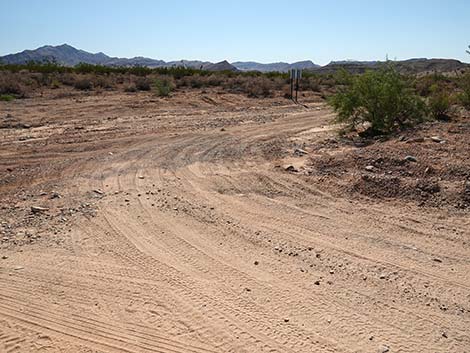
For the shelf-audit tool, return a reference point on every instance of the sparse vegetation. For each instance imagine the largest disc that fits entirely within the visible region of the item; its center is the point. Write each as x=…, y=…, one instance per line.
x=143, y=84
x=162, y=87
x=464, y=96
x=84, y=84
x=381, y=101
x=6, y=98
x=439, y=102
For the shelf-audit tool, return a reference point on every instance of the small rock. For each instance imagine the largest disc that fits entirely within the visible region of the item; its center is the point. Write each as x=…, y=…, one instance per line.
x=256, y=263
x=286, y=320
x=98, y=191
x=55, y=195
x=37, y=209
x=291, y=169
x=370, y=168
x=17, y=268
x=4, y=257
x=411, y=159
x=317, y=282
x=300, y=152
x=444, y=334
x=222, y=129
x=384, y=349
x=141, y=177
x=436, y=259
x=332, y=272
x=436, y=139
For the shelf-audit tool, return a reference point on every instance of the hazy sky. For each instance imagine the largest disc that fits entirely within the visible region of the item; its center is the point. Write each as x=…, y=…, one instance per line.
x=263, y=31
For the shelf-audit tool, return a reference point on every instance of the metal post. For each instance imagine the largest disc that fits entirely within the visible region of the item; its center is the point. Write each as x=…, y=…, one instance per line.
x=292, y=72
x=297, y=73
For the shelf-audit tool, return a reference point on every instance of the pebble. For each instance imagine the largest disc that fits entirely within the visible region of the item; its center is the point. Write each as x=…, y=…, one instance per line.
x=384, y=349
x=291, y=168
x=300, y=152
x=436, y=139
x=317, y=282
x=37, y=209
x=411, y=159
x=4, y=257
x=55, y=195
x=256, y=263
x=370, y=168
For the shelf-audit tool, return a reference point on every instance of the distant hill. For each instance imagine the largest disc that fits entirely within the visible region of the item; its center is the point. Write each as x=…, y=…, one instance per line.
x=411, y=66
x=69, y=56
x=62, y=54
x=222, y=66
x=280, y=67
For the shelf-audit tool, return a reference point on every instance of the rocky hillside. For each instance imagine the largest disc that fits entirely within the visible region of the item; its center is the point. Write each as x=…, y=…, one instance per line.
x=279, y=67
x=411, y=66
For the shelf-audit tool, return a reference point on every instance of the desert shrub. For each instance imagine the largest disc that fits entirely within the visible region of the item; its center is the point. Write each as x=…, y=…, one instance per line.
x=143, y=84
x=464, y=96
x=312, y=84
x=162, y=87
x=130, y=88
x=439, y=102
x=83, y=84
x=6, y=98
x=258, y=87
x=103, y=81
x=67, y=79
x=9, y=85
x=381, y=98
x=55, y=84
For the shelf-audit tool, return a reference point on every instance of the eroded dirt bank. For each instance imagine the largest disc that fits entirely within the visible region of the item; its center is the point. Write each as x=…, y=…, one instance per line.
x=171, y=225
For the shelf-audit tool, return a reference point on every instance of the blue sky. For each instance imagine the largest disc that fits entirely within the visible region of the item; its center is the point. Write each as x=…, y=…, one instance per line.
x=264, y=31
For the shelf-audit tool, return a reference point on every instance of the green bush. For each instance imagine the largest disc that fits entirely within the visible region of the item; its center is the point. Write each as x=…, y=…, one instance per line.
x=6, y=98
x=84, y=84
x=381, y=98
x=143, y=84
x=130, y=88
x=162, y=87
x=439, y=102
x=464, y=97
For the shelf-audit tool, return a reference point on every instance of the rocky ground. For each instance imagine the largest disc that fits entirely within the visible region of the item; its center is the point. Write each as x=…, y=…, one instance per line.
x=212, y=222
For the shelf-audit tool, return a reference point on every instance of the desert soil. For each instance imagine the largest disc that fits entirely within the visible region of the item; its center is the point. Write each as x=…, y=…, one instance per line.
x=171, y=225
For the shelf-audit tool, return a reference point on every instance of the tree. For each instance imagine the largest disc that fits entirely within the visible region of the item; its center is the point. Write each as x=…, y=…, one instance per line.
x=383, y=99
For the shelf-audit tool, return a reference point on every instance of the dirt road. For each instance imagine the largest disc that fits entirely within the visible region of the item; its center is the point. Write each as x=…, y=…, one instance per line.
x=174, y=227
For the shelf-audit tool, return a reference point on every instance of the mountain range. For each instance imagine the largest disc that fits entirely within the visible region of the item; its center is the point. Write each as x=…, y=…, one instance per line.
x=69, y=56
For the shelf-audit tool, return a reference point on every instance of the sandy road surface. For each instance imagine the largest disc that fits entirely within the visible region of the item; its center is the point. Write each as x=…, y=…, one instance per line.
x=198, y=240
